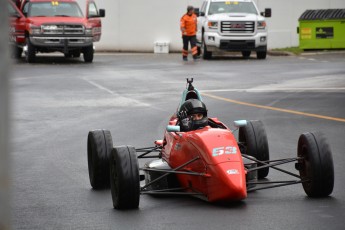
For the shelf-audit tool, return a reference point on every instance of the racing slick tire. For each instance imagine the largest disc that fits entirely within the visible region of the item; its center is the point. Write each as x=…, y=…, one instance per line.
x=88, y=54
x=30, y=54
x=316, y=170
x=253, y=137
x=99, y=146
x=124, y=178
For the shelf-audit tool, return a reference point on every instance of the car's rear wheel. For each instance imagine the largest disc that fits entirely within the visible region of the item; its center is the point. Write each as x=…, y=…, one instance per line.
x=99, y=146
x=124, y=178
x=254, y=139
x=316, y=166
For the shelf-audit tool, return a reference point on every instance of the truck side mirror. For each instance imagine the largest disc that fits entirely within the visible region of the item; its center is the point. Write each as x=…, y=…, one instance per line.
x=197, y=12
x=101, y=13
x=268, y=12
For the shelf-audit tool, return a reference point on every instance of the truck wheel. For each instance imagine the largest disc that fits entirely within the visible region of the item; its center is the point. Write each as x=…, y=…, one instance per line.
x=253, y=137
x=124, y=178
x=17, y=52
x=30, y=54
x=317, y=164
x=205, y=54
x=199, y=51
x=261, y=54
x=246, y=54
x=76, y=53
x=99, y=146
x=88, y=54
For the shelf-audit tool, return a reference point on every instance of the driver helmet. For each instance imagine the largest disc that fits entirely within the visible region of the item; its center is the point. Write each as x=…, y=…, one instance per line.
x=192, y=115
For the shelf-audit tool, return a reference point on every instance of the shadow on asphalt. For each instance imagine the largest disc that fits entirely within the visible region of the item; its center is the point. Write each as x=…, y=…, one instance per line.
x=52, y=60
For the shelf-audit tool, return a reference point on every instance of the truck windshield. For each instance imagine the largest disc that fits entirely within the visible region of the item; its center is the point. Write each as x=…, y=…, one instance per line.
x=54, y=9
x=232, y=7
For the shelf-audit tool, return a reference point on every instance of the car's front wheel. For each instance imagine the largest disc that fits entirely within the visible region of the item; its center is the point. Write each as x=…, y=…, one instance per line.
x=124, y=178
x=254, y=139
x=99, y=146
x=316, y=164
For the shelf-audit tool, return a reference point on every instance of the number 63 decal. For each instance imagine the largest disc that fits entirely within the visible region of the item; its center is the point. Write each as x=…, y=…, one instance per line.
x=224, y=150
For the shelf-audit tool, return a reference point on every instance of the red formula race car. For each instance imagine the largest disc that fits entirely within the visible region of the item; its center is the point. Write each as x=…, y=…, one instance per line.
x=208, y=162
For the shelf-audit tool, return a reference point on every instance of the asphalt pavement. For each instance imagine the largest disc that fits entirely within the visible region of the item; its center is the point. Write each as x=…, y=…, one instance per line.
x=55, y=102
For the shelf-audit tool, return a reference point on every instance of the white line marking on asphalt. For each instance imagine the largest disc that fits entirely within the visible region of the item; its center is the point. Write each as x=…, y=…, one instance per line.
x=99, y=86
x=120, y=99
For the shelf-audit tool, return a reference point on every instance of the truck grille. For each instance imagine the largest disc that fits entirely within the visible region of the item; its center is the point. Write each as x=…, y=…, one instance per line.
x=237, y=27
x=237, y=44
x=66, y=29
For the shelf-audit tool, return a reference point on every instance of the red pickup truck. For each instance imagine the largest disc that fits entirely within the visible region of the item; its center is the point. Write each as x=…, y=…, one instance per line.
x=55, y=25
x=16, y=29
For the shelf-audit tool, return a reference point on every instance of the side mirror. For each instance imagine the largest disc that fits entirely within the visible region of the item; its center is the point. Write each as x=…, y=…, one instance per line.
x=267, y=13
x=240, y=123
x=202, y=14
x=101, y=13
x=173, y=128
x=197, y=12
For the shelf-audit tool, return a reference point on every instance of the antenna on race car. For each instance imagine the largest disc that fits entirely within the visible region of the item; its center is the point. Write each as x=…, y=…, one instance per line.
x=189, y=83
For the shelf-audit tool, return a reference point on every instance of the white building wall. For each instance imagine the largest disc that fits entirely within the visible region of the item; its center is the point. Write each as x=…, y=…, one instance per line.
x=133, y=25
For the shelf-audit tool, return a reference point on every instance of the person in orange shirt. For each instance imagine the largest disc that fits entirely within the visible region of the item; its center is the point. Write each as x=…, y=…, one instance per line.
x=188, y=25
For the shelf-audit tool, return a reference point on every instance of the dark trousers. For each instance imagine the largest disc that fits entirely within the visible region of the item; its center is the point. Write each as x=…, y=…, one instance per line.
x=192, y=41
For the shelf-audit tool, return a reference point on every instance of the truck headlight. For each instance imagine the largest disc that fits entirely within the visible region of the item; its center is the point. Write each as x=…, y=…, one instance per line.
x=261, y=25
x=212, y=25
x=35, y=29
x=88, y=31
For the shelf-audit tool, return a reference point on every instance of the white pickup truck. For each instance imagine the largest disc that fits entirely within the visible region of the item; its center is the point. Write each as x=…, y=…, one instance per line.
x=232, y=26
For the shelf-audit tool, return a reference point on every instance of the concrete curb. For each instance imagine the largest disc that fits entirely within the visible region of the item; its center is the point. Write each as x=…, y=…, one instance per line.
x=305, y=53
x=279, y=53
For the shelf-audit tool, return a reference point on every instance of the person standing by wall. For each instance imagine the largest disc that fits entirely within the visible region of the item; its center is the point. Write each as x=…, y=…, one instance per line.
x=188, y=25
